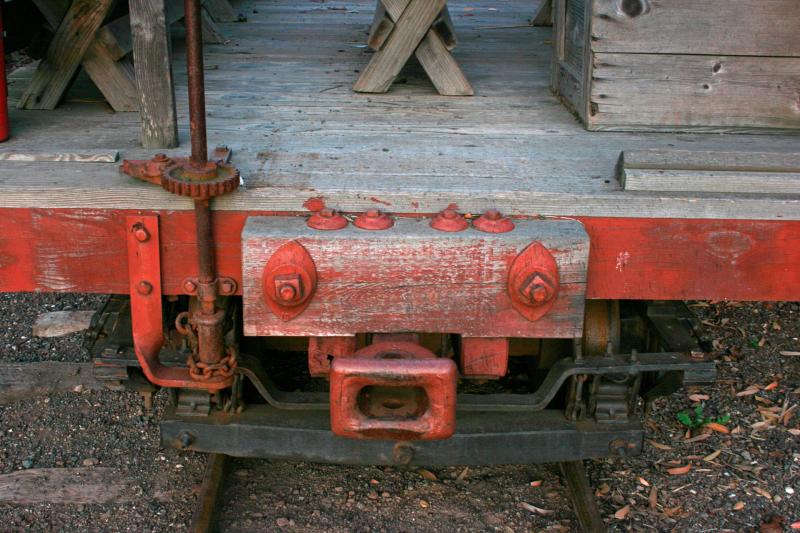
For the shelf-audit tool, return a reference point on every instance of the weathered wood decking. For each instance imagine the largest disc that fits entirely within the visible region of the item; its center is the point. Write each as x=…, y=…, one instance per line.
x=280, y=94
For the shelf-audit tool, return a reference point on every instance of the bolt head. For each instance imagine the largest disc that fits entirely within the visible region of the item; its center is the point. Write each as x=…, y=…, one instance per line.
x=189, y=286
x=289, y=288
x=326, y=212
x=140, y=233
x=227, y=286
x=144, y=288
x=537, y=290
x=449, y=214
x=373, y=213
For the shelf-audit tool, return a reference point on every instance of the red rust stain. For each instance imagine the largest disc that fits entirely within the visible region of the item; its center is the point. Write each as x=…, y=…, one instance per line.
x=379, y=201
x=314, y=204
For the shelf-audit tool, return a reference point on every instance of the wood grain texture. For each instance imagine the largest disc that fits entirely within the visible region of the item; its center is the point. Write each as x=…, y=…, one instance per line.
x=741, y=27
x=73, y=37
x=60, y=323
x=152, y=61
x=79, y=156
x=414, y=278
x=220, y=10
x=684, y=91
x=27, y=380
x=65, y=486
x=299, y=132
x=714, y=172
x=631, y=258
x=410, y=28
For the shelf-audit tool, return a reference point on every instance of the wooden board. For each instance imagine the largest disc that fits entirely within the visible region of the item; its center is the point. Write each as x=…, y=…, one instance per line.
x=631, y=258
x=78, y=156
x=26, y=380
x=65, y=486
x=740, y=27
x=299, y=133
x=713, y=172
x=414, y=278
x=684, y=91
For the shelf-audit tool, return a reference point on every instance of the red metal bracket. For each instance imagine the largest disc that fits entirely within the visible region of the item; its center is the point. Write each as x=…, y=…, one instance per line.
x=323, y=350
x=289, y=280
x=484, y=357
x=398, y=399
x=533, y=282
x=144, y=274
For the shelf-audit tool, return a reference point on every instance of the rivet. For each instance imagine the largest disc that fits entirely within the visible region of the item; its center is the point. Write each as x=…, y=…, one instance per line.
x=140, y=233
x=189, y=286
x=144, y=288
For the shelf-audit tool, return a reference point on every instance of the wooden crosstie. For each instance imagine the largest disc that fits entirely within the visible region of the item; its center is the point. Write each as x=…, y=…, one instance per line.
x=405, y=27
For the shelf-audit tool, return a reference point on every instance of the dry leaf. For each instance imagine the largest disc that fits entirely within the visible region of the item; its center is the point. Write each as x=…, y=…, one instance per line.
x=658, y=445
x=772, y=386
x=534, y=509
x=463, y=474
x=736, y=430
x=762, y=492
x=698, y=438
x=644, y=482
x=424, y=504
x=699, y=397
x=749, y=391
x=427, y=474
x=788, y=353
x=738, y=506
x=537, y=483
x=713, y=455
x=653, y=498
x=679, y=470
x=674, y=511
x=623, y=513
x=719, y=428
x=795, y=525
x=795, y=432
x=603, y=489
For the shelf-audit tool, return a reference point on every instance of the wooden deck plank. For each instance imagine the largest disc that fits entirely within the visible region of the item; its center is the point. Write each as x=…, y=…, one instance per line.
x=285, y=105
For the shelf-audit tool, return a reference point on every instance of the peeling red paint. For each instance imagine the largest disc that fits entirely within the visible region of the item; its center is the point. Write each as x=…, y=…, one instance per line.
x=379, y=201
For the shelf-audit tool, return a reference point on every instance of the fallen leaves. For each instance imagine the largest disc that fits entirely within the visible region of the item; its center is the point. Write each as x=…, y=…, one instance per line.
x=713, y=455
x=652, y=499
x=699, y=397
x=643, y=481
x=535, y=510
x=427, y=474
x=749, y=391
x=738, y=506
x=623, y=513
x=795, y=525
x=788, y=353
x=658, y=445
x=719, y=428
x=762, y=492
x=537, y=483
x=679, y=470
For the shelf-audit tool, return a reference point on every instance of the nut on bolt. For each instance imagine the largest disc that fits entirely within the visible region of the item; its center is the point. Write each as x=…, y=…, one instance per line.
x=190, y=286
x=538, y=289
x=289, y=288
x=227, y=286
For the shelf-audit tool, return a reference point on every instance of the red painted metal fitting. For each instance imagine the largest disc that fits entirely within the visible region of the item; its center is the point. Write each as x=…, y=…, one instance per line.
x=533, y=282
x=492, y=221
x=484, y=357
x=374, y=219
x=327, y=219
x=289, y=281
x=323, y=350
x=449, y=220
x=393, y=399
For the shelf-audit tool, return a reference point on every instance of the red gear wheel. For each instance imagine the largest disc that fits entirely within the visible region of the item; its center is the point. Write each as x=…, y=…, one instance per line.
x=215, y=179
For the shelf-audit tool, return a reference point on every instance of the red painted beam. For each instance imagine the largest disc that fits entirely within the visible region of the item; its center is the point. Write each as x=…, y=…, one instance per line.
x=73, y=250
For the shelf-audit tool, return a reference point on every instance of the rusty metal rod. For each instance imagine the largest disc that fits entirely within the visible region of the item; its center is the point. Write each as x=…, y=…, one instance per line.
x=194, y=66
x=205, y=251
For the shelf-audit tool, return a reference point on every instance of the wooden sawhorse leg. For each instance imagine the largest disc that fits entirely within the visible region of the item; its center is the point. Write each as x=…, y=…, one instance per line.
x=75, y=42
x=410, y=29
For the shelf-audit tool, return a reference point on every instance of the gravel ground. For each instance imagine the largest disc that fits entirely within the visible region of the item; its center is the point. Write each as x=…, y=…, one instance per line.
x=736, y=481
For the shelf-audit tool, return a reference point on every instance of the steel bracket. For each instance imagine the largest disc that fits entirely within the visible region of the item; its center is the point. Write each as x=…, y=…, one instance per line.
x=144, y=273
